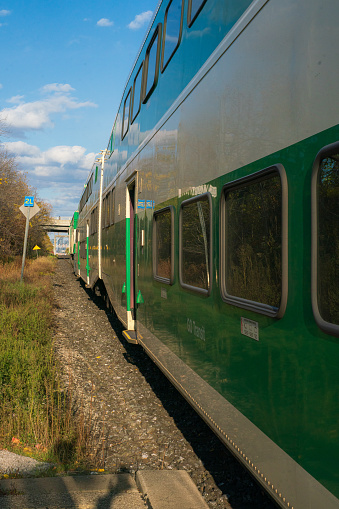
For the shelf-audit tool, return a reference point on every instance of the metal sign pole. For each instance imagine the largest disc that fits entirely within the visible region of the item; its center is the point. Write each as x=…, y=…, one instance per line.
x=25, y=245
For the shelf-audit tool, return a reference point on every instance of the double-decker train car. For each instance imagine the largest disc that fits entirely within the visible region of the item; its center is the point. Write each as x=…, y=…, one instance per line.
x=211, y=218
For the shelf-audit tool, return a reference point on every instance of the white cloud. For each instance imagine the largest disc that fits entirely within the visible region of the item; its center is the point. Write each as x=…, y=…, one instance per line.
x=36, y=115
x=53, y=161
x=20, y=148
x=1, y=86
x=140, y=20
x=16, y=99
x=104, y=22
x=4, y=12
x=57, y=87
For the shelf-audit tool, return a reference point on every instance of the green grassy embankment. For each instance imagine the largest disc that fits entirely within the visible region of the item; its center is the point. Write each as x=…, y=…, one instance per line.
x=36, y=414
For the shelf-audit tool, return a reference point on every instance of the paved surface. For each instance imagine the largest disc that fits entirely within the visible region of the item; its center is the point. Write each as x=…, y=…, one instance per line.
x=159, y=490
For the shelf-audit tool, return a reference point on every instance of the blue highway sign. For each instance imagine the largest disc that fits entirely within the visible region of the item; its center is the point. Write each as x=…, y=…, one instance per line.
x=29, y=201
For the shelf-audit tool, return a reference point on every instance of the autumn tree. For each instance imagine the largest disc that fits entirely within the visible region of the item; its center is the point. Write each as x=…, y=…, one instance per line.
x=13, y=188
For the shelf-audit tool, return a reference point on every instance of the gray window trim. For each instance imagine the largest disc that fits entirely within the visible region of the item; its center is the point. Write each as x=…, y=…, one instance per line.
x=329, y=328
x=190, y=20
x=185, y=285
x=167, y=281
x=250, y=305
x=135, y=114
x=157, y=33
x=163, y=67
x=128, y=97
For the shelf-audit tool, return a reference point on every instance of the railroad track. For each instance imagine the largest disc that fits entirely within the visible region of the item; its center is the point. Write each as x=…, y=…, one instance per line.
x=138, y=419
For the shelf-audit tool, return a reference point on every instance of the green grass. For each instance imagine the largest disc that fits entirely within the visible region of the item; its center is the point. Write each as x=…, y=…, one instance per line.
x=37, y=414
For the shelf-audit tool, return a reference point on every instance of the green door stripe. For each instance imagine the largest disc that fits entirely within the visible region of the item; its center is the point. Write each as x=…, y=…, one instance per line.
x=88, y=268
x=128, y=264
x=79, y=254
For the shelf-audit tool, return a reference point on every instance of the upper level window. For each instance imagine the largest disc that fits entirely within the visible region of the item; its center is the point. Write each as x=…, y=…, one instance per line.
x=172, y=30
x=325, y=243
x=152, y=63
x=163, y=245
x=125, y=123
x=253, y=255
x=136, y=94
x=195, y=244
x=194, y=7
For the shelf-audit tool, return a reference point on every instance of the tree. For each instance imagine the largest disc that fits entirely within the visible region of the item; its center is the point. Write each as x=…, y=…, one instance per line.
x=13, y=189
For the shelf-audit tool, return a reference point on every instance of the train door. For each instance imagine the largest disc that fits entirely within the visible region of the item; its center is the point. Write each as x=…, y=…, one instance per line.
x=130, y=334
x=87, y=251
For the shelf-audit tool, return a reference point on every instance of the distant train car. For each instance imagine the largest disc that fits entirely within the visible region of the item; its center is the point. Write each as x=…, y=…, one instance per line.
x=212, y=219
x=72, y=235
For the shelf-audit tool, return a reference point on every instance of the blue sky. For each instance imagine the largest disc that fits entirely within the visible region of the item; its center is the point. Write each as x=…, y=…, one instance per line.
x=63, y=67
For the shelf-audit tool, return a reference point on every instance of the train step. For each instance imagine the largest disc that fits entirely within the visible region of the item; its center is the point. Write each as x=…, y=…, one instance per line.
x=130, y=336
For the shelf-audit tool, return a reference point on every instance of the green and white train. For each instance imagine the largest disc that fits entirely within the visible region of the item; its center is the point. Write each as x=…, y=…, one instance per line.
x=212, y=220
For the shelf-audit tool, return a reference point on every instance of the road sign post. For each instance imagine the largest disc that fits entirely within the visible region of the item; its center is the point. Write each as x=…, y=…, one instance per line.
x=29, y=209
x=36, y=248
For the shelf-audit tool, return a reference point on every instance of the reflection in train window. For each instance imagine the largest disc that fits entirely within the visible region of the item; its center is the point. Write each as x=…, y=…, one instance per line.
x=195, y=244
x=327, y=239
x=194, y=7
x=252, y=240
x=163, y=245
x=108, y=209
x=125, y=121
x=172, y=31
x=103, y=212
x=111, y=218
x=136, y=94
x=152, y=63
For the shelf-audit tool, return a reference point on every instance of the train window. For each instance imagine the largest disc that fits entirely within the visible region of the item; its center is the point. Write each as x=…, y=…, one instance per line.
x=94, y=221
x=108, y=209
x=163, y=245
x=103, y=212
x=111, y=217
x=254, y=242
x=136, y=101
x=194, y=7
x=125, y=121
x=151, y=69
x=325, y=239
x=195, y=244
x=172, y=31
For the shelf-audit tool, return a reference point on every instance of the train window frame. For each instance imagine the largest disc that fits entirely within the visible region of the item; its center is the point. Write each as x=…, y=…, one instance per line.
x=191, y=20
x=156, y=36
x=164, y=65
x=112, y=208
x=103, y=213
x=139, y=73
x=196, y=289
x=241, y=302
x=160, y=279
x=328, y=327
x=127, y=98
x=108, y=209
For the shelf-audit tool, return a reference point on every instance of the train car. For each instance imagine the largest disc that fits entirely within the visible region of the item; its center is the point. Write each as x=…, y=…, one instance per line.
x=211, y=218
x=72, y=235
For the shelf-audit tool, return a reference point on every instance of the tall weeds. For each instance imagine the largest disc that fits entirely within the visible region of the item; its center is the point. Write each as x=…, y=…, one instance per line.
x=35, y=410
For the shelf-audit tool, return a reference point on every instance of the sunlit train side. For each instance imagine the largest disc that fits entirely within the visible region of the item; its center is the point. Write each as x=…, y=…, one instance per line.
x=211, y=218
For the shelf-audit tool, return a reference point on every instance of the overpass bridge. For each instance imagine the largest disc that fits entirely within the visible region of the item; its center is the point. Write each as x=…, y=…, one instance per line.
x=57, y=225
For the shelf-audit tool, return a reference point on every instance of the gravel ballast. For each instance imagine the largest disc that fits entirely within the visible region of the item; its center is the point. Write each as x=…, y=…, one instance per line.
x=138, y=420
